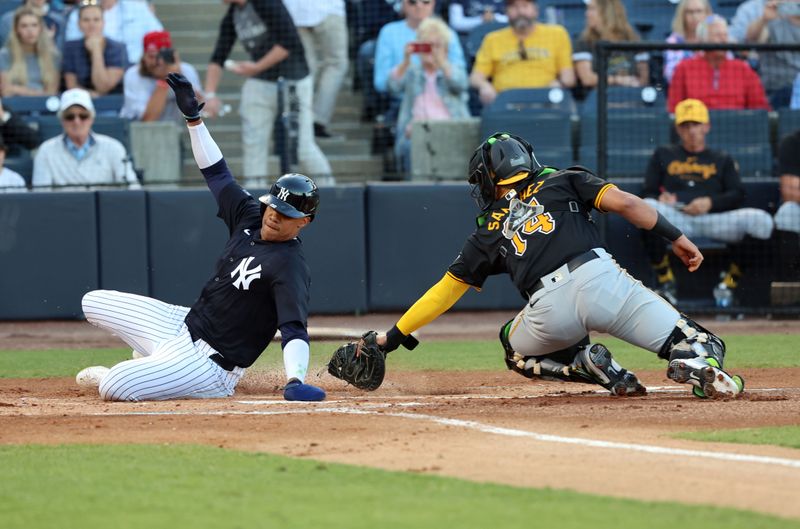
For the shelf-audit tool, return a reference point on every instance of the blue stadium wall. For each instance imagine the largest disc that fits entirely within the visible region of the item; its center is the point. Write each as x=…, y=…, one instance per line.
x=371, y=248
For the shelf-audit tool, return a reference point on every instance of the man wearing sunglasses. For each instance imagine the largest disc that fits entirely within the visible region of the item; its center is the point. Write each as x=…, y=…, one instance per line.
x=526, y=54
x=80, y=157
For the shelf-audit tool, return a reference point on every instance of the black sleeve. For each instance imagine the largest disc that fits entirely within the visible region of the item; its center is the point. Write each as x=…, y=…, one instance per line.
x=238, y=208
x=226, y=38
x=587, y=186
x=279, y=23
x=652, y=178
x=291, y=285
x=789, y=155
x=16, y=132
x=474, y=264
x=732, y=195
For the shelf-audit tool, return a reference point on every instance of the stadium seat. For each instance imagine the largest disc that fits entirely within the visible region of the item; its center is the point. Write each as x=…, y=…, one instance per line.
x=633, y=135
x=651, y=18
x=8, y=5
x=623, y=97
x=788, y=121
x=108, y=104
x=531, y=113
x=23, y=164
x=744, y=134
x=34, y=105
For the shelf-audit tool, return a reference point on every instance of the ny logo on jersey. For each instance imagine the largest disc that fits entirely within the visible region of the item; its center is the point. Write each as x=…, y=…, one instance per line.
x=283, y=194
x=246, y=276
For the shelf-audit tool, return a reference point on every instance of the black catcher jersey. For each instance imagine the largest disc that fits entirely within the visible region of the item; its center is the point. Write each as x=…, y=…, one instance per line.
x=528, y=247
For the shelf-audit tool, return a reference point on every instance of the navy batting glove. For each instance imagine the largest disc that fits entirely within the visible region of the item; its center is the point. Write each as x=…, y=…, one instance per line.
x=185, y=97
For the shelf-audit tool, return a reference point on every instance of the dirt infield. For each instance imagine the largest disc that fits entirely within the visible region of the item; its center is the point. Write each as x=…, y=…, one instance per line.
x=484, y=426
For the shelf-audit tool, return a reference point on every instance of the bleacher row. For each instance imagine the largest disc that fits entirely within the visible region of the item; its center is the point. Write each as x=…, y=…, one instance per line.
x=564, y=132
x=651, y=18
x=40, y=113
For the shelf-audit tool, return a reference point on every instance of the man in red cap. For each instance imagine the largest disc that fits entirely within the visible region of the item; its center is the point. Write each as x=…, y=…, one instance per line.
x=147, y=95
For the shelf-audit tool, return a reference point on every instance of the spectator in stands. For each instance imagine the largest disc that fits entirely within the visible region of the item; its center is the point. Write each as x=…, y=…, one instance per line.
x=779, y=23
x=787, y=218
x=698, y=189
x=466, y=15
x=391, y=46
x=373, y=16
x=719, y=81
x=147, y=95
x=432, y=90
x=16, y=134
x=322, y=28
x=9, y=180
x=80, y=157
x=270, y=38
x=526, y=54
x=607, y=20
x=126, y=21
x=53, y=20
x=747, y=13
x=95, y=62
x=29, y=63
x=688, y=16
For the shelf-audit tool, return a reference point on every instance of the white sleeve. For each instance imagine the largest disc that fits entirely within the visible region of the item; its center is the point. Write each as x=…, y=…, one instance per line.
x=205, y=149
x=295, y=359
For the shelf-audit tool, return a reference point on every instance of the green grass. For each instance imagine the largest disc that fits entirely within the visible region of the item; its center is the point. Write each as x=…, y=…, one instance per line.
x=766, y=350
x=786, y=436
x=157, y=486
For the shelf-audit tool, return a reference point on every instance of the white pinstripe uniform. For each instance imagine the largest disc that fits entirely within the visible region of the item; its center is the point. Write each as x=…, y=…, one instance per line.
x=172, y=365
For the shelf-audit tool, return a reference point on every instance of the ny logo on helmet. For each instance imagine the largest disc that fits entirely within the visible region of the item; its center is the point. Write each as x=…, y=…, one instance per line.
x=283, y=194
x=246, y=276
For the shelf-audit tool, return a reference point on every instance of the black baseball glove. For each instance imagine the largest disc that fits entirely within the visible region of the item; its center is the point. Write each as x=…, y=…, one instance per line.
x=185, y=97
x=361, y=363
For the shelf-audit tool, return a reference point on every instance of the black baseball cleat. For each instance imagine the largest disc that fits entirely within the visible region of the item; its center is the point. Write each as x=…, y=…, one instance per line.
x=597, y=364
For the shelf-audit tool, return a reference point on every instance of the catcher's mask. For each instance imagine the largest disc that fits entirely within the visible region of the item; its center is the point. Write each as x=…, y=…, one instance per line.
x=293, y=195
x=500, y=160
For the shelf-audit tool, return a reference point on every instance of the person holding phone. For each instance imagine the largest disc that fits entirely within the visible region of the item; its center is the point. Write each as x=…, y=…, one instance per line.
x=95, y=62
x=779, y=23
x=431, y=90
x=147, y=95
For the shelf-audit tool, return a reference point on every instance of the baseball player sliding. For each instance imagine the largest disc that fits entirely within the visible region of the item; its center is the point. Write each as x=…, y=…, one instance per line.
x=535, y=225
x=260, y=284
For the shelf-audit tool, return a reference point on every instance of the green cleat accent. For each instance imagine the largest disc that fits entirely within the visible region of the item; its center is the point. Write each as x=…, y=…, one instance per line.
x=697, y=392
x=739, y=382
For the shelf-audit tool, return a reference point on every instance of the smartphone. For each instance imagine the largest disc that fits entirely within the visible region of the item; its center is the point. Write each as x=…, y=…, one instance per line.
x=789, y=9
x=420, y=47
x=167, y=55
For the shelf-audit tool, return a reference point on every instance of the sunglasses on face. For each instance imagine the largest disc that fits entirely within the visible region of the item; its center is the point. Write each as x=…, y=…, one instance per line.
x=415, y=2
x=72, y=117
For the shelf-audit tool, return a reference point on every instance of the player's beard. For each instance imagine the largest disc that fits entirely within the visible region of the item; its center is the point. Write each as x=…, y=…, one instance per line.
x=521, y=23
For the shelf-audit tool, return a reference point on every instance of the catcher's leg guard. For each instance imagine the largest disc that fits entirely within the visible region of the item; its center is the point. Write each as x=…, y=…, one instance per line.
x=696, y=356
x=578, y=363
x=599, y=366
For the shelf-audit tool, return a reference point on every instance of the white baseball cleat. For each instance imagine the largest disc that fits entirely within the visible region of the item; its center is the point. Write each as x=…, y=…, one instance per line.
x=710, y=380
x=91, y=376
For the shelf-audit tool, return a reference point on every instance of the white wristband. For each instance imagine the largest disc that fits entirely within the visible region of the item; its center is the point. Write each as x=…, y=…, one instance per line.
x=211, y=95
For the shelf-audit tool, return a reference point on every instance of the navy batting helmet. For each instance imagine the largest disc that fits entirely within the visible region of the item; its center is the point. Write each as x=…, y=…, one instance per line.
x=293, y=195
x=500, y=160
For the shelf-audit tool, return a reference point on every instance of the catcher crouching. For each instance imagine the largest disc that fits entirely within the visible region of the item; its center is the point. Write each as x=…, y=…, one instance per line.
x=535, y=224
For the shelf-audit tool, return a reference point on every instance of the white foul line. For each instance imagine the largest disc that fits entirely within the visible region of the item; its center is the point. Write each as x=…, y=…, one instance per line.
x=510, y=432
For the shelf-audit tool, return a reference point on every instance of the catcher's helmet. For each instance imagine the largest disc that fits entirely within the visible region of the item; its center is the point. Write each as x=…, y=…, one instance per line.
x=500, y=160
x=293, y=195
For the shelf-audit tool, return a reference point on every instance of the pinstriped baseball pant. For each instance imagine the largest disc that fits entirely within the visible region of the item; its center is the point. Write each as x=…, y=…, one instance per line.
x=173, y=366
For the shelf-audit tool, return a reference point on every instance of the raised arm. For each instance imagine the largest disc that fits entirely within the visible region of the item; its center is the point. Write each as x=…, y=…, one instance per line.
x=642, y=215
x=206, y=152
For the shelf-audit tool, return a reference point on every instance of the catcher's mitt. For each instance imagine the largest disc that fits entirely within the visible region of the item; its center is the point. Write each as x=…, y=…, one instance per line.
x=361, y=363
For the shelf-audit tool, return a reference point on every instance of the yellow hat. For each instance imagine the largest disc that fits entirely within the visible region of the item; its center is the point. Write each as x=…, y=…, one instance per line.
x=691, y=110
